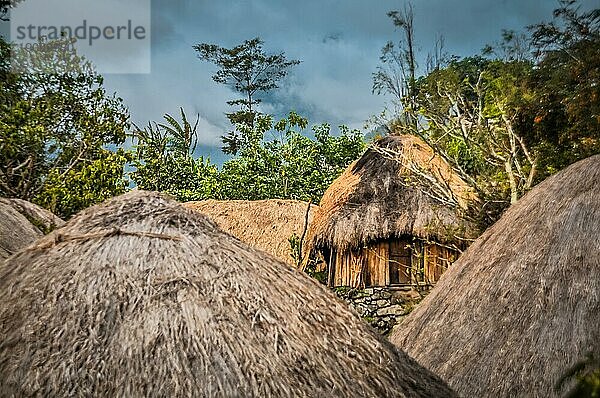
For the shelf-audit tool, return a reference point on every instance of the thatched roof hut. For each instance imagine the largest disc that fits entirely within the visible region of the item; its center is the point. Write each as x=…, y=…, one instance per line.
x=379, y=206
x=522, y=304
x=21, y=223
x=264, y=224
x=142, y=297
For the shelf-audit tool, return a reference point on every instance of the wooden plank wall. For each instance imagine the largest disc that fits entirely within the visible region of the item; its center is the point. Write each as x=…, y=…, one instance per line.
x=367, y=266
x=429, y=274
x=377, y=258
x=390, y=262
x=350, y=268
x=437, y=260
x=417, y=263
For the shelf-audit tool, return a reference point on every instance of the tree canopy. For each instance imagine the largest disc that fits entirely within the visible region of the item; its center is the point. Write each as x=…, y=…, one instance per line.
x=249, y=70
x=279, y=161
x=57, y=121
x=5, y=6
x=506, y=119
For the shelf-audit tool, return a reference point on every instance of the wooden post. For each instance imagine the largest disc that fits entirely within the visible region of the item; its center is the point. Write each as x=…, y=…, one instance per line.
x=330, y=271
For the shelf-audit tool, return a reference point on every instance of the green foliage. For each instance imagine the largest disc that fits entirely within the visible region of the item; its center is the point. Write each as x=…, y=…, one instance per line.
x=312, y=271
x=586, y=375
x=56, y=123
x=567, y=84
x=289, y=165
x=5, y=5
x=164, y=160
x=472, y=108
x=296, y=249
x=94, y=181
x=276, y=160
x=247, y=69
x=508, y=118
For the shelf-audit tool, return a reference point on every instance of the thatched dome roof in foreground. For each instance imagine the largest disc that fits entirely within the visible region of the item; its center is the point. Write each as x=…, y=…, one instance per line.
x=21, y=223
x=522, y=304
x=264, y=224
x=142, y=297
x=378, y=197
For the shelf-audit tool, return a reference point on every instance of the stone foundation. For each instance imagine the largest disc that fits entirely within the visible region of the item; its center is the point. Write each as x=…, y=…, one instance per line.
x=381, y=307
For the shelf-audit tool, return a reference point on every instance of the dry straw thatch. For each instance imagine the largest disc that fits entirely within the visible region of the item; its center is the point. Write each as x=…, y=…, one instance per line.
x=522, y=304
x=142, y=297
x=21, y=223
x=264, y=224
x=378, y=197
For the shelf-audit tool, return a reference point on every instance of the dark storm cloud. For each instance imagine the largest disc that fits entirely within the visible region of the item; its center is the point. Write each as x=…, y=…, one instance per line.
x=338, y=42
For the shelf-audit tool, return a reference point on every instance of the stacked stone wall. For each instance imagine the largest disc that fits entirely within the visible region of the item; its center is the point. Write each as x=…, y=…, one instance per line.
x=381, y=307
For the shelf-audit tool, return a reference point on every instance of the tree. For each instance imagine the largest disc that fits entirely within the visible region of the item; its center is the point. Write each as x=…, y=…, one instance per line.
x=247, y=69
x=514, y=46
x=164, y=160
x=397, y=73
x=277, y=161
x=5, y=6
x=98, y=178
x=57, y=121
x=289, y=165
x=510, y=118
x=470, y=113
x=567, y=83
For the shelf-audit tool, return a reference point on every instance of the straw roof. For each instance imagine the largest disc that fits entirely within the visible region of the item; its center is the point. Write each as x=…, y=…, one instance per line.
x=377, y=197
x=522, y=304
x=21, y=223
x=265, y=224
x=143, y=297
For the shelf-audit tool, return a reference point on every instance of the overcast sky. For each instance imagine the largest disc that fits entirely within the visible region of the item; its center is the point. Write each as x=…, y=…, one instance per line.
x=338, y=41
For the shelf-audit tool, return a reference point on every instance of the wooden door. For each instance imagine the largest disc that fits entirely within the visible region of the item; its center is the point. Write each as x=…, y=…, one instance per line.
x=400, y=262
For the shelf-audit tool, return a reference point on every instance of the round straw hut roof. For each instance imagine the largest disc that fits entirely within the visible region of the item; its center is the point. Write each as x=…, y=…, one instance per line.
x=377, y=198
x=522, y=304
x=142, y=297
x=21, y=223
x=264, y=224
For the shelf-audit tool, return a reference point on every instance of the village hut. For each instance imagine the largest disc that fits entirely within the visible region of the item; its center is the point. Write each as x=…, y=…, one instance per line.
x=522, y=304
x=21, y=223
x=392, y=218
x=265, y=224
x=142, y=297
